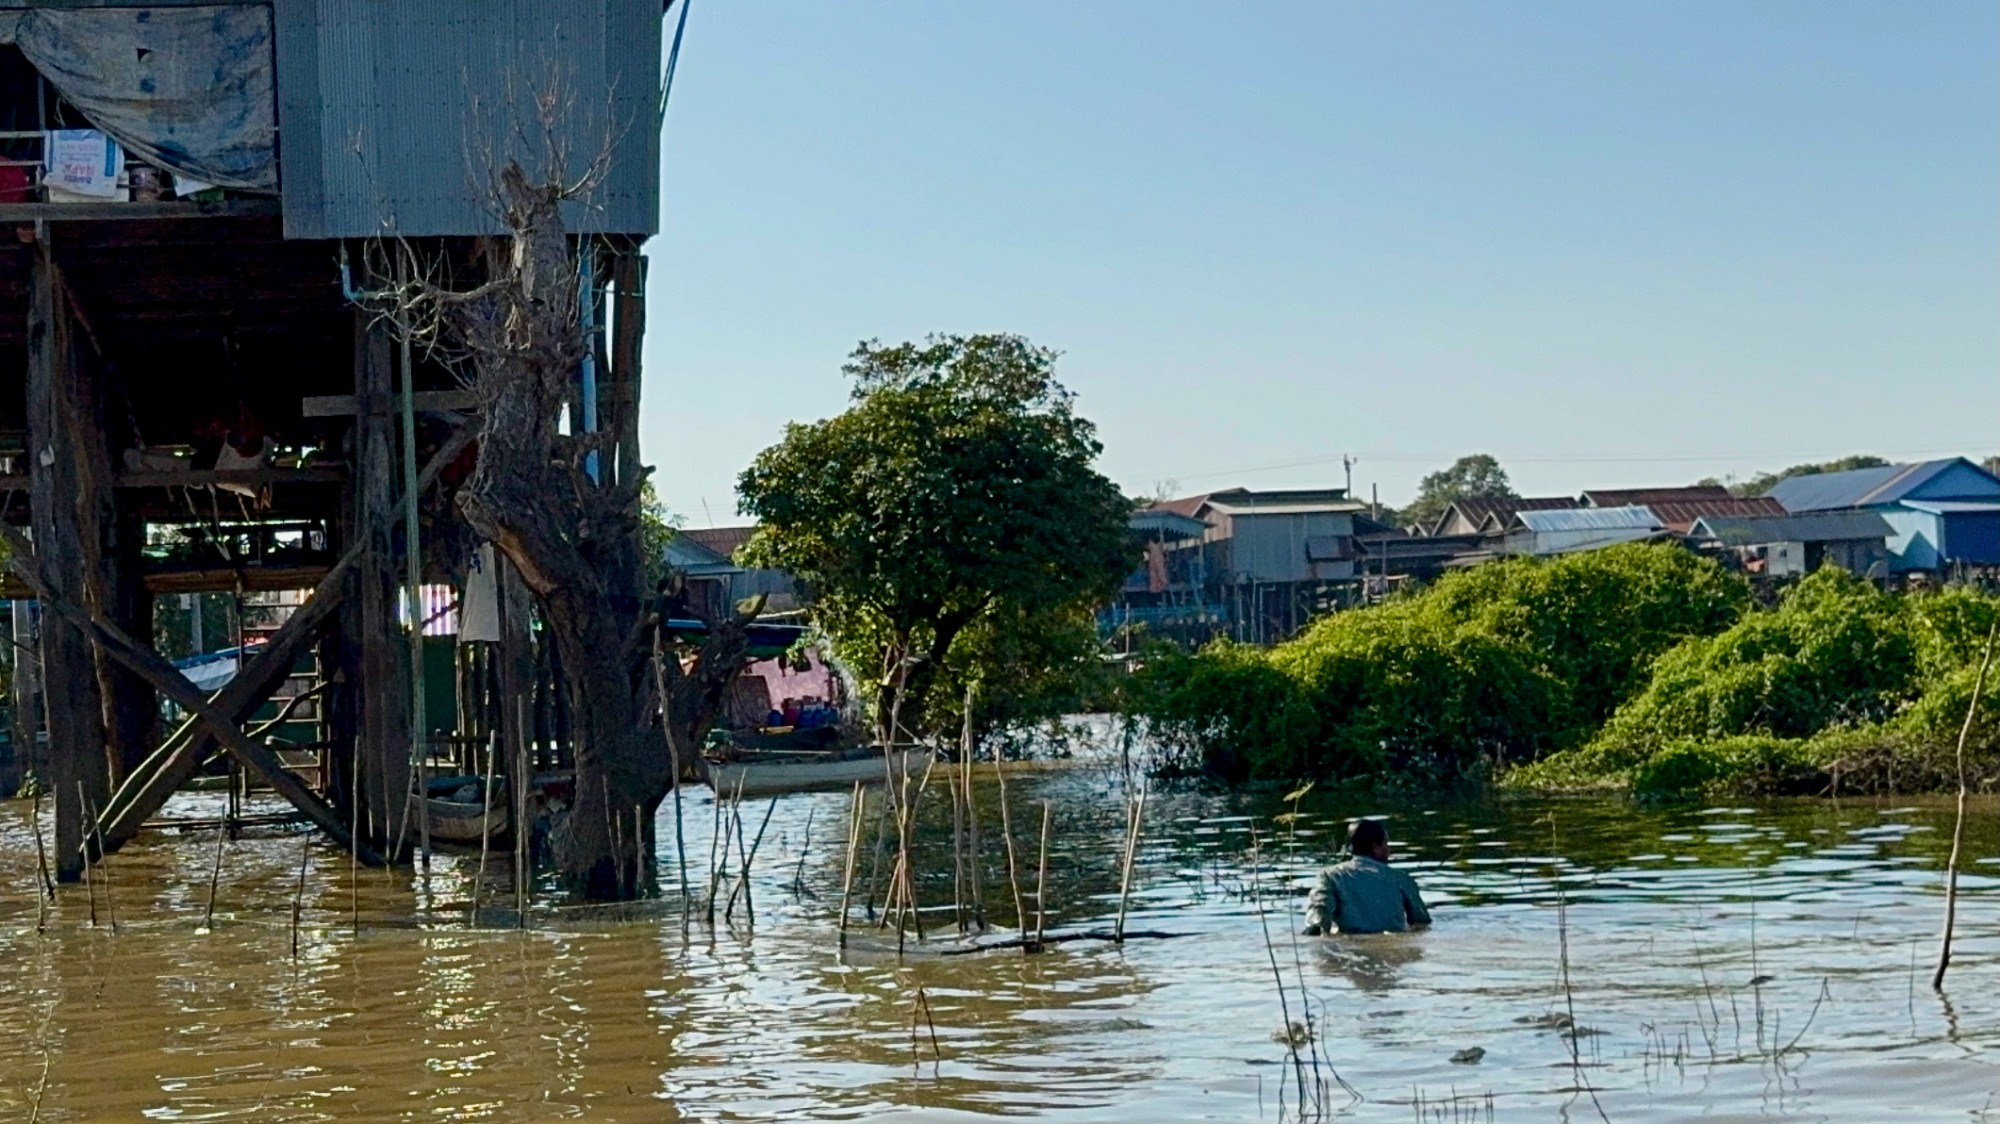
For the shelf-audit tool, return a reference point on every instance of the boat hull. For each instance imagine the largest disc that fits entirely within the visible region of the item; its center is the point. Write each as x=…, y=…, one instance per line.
x=775, y=777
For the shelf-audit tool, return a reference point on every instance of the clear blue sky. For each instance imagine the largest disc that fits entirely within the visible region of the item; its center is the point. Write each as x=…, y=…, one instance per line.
x=1611, y=243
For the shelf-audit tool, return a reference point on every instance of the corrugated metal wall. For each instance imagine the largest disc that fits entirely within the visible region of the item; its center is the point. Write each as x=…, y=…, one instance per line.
x=393, y=114
x=1272, y=548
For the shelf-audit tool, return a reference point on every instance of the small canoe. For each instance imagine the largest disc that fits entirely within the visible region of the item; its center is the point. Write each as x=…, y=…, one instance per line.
x=775, y=773
x=457, y=811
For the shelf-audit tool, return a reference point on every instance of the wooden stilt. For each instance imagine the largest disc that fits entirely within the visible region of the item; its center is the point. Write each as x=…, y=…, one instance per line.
x=383, y=690
x=69, y=490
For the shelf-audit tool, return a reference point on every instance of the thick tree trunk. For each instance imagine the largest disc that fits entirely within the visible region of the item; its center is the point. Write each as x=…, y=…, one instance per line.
x=572, y=534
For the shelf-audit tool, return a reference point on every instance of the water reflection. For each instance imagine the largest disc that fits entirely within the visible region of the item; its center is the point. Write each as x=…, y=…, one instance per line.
x=1768, y=960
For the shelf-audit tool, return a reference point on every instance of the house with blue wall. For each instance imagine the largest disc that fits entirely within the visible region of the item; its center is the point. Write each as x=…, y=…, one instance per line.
x=1941, y=513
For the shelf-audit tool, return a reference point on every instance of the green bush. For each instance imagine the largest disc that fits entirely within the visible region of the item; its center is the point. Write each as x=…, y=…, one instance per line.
x=1225, y=712
x=1501, y=663
x=1836, y=651
x=1739, y=765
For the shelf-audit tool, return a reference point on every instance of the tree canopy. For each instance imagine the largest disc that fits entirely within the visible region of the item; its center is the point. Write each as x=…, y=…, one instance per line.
x=961, y=483
x=1475, y=476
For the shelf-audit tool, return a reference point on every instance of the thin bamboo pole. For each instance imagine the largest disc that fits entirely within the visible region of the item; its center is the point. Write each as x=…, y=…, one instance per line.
x=41, y=848
x=214, y=878
x=1007, y=833
x=974, y=864
x=855, y=811
x=1958, y=827
x=97, y=831
x=1134, y=823
x=299, y=895
x=89, y=889
x=523, y=769
x=1042, y=880
x=485, y=826
x=674, y=757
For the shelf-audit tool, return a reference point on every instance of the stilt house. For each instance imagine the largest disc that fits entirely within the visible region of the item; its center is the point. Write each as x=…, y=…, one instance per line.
x=192, y=398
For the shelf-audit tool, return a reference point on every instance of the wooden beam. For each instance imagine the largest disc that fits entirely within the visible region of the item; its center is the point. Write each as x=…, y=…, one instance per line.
x=259, y=759
x=206, y=477
x=126, y=212
x=428, y=401
x=175, y=762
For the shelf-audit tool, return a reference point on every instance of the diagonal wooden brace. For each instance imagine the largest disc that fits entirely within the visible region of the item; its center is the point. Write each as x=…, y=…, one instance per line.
x=166, y=679
x=176, y=761
x=171, y=766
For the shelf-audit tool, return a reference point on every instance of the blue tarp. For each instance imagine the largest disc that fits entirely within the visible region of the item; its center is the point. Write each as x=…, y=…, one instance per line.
x=188, y=89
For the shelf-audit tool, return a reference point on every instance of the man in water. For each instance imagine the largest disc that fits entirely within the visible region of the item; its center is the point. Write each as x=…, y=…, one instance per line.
x=1362, y=895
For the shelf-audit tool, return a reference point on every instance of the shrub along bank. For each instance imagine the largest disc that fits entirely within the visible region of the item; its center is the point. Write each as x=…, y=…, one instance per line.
x=1640, y=667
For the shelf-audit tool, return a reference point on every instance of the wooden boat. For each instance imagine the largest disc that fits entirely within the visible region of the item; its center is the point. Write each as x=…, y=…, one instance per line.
x=770, y=773
x=455, y=819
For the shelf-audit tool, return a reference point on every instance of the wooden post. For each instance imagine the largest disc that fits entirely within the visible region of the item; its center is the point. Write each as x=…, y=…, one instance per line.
x=131, y=707
x=382, y=689
x=628, y=328
x=69, y=488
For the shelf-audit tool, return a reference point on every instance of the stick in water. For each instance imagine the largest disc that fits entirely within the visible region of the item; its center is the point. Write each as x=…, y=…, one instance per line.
x=214, y=877
x=299, y=895
x=485, y=826
x=89, y=889
x=1134, y=823
x=41, y=851
x=1042, y=881
x=854, y=814
x=1007, y=833
x=1958, y=828
x=97, y=830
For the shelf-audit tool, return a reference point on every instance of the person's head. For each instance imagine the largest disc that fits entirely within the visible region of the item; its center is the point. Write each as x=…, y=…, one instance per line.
x=1370, y=838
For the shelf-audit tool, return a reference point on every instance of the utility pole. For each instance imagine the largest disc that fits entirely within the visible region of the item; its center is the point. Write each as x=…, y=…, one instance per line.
x=1347, y=463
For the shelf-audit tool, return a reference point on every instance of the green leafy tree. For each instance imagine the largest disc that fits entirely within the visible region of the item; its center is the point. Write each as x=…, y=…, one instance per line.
x=960, y=485
x=1477, y=476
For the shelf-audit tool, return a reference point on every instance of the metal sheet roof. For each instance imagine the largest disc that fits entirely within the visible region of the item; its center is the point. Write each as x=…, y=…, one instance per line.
x=1865, y=487
x=1816, y=526
x=1639, y=497
x=1681, y=515
x=1633, y=517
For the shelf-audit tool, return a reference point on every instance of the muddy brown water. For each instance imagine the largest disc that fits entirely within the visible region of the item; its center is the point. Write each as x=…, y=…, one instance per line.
x=1765, y=961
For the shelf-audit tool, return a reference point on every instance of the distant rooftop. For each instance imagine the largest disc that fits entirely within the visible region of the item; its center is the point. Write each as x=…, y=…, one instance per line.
x=1814, y=526
x=723, y=541
x=1646, y=497
x=1628, y=517
x=1680, y=516
x=1886, y=484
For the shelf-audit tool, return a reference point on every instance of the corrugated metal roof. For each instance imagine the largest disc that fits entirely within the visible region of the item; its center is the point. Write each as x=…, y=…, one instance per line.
x=1860, y=487
x=1816, y=526
x=1476, y=510
x=723, y=541
x=1630, y=517
x=1645, y=497
x=1160, y=521
x=1679, y=517
x=398, y=116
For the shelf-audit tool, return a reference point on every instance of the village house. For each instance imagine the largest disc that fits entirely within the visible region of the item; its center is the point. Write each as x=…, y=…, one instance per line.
x=1942, y=514
x=1254, y=565
x=1789, y=545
